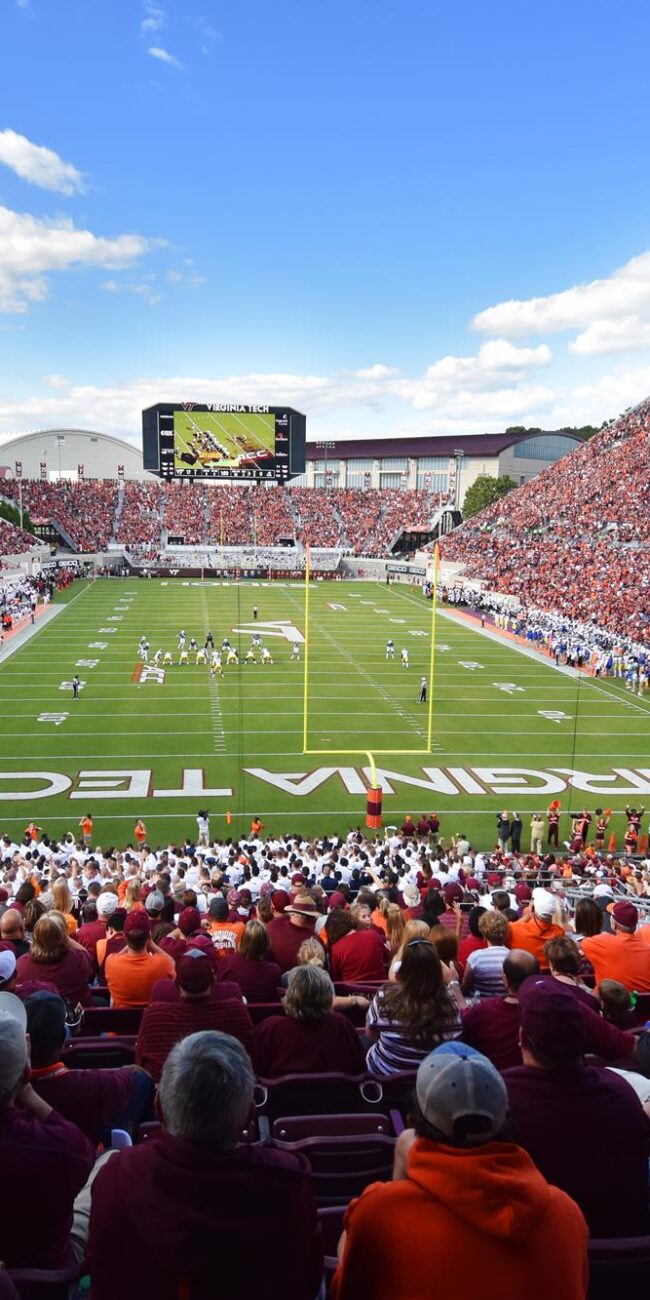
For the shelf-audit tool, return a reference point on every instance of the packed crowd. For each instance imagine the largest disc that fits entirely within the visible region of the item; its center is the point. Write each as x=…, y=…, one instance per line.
x=504, y=992
x=85, y=510
x=573, y=541
x=93, y=513
x=14, y=540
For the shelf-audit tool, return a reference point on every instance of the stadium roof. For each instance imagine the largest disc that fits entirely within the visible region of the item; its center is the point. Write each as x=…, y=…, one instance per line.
x=477, y=444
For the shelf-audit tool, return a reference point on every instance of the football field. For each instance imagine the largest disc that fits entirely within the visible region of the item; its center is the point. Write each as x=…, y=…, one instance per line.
x=509, y=729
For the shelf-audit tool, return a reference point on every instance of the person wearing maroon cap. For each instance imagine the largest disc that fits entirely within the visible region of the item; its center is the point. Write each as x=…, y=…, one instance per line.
x=562, y=1110
x=164, y=1023
x=201, y=1214
x=621, y=955
x=451, y=918
x=132, y=973
x=189, y=925
x=287, y=932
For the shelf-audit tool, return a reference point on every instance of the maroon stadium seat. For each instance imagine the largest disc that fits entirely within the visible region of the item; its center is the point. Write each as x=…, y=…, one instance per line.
x=619, y=1266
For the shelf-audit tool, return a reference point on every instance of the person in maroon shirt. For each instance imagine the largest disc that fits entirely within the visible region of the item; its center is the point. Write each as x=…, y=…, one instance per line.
x=407, y=828
x=194, y=1206
x=310, y=1037
x=473, y=941
x=45, y=1160
x=258, y=978
x=91, y=932
x=95, y=1100
x=423, y=827
x=358, y=954
x=56, y=958
x=491, y=1026
x=560, y=1109
x=286, y=933
x=163, y=1023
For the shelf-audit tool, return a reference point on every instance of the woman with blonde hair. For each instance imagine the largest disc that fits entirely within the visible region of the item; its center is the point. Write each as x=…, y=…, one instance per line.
x=395, y=925
x=412, y=930
x=57, y=959
x=62, y=902
x=311, y=1037
x=132, y=900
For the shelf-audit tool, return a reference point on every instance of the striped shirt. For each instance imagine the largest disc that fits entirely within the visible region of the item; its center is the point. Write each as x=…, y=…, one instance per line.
x=393, y=1050
x=487, y=967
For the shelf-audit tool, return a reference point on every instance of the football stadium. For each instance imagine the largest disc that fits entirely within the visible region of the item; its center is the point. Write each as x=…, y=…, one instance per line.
x=324, y=653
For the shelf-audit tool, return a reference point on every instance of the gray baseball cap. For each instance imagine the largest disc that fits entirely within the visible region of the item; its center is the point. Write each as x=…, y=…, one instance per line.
x=456, y=1083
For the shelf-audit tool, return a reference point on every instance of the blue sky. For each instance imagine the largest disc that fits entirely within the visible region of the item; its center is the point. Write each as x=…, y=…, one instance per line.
x=424, y=218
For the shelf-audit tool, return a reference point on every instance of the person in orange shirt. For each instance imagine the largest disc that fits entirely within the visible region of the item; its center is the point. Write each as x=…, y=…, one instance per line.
x=622, y=955
x=86, y=825
x=132, y=973
x=140, y=832
x=33, y=831
x=257, y=826
x=226, y=935
x=464, y=1195
x=536, y=926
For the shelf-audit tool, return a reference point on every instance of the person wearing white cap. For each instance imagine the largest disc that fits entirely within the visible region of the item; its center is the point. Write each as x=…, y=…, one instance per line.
x=465, y=1198
x=45, y=1159
x=537, y=925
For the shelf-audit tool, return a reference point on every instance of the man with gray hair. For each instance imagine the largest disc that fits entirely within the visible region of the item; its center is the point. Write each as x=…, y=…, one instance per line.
x=45, y=1159
x=193, y=1202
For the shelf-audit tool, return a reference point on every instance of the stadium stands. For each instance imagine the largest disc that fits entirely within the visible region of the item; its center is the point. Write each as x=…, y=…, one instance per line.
x=93, y=513
x=575, y=539
x=348, y=1129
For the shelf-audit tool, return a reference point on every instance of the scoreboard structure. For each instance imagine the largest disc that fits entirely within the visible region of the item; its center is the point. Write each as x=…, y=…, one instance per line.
x=223, y=441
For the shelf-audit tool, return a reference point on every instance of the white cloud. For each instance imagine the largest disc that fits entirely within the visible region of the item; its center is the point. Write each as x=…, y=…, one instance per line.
x=163, y=56
x=31, y=247
x=141, y=288
x=39, y=165
x=154, y=18
x=185, y=277
x=603, y=337
x=376, y=372
x=625, y=293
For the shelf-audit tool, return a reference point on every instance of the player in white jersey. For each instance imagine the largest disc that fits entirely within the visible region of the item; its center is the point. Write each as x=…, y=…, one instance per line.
x=168, y=661
x=216, y=667
x=181, y=640
x=183, y=658
x=249, y=657
x=144, y=652
x=390, y=649
x=404, y=658
x=233, y=655
x=201, y=657
x=295, y=651
x=266, y=656
x=157, y=658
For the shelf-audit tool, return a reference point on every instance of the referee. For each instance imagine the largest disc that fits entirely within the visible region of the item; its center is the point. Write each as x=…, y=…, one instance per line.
x=422, y=697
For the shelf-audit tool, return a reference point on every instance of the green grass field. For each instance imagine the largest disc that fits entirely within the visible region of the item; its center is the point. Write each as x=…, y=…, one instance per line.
x=508, y=729
x=256, y=433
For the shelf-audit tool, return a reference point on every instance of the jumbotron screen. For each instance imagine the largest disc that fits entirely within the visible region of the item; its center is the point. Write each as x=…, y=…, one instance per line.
x=190, y=440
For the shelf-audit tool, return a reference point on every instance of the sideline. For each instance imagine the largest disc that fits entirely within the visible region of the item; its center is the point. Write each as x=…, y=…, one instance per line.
x=25, y=631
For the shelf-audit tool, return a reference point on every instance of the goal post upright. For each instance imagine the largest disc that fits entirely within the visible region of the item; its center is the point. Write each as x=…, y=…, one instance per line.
x=432, y=657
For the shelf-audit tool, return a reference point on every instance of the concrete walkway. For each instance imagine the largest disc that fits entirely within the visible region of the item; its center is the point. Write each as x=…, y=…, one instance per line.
x=23, y=631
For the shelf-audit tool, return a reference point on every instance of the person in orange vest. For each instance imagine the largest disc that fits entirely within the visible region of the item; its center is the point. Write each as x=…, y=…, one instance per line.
x=257, y=826
x=86, y=824
x=140, y=832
